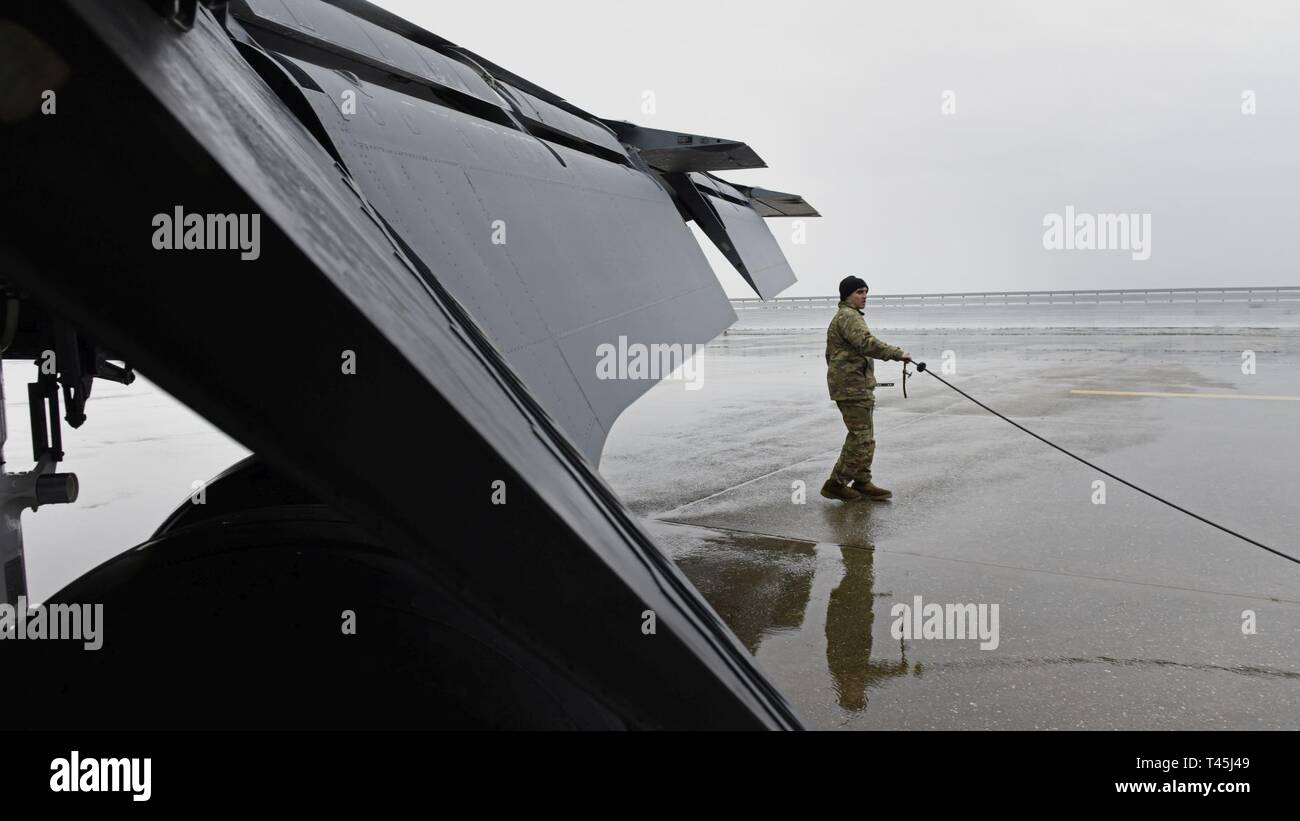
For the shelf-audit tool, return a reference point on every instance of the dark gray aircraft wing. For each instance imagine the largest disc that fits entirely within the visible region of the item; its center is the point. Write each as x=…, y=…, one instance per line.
x=554, y=230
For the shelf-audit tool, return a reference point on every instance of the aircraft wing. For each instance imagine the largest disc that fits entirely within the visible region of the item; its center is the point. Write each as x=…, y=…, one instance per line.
x=558, y=233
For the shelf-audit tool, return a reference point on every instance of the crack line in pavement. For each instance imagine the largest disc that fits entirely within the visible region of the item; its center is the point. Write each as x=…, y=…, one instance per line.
x=1029, y=661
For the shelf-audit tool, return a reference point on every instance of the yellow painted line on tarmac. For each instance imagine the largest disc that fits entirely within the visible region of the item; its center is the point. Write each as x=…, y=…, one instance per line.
x=1079, y=392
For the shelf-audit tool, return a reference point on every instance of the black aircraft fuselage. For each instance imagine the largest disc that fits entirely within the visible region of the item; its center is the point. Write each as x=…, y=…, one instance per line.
x=401, y=322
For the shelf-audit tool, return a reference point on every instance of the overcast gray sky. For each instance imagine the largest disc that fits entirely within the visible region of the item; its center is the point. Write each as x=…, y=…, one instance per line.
x=1112, y=107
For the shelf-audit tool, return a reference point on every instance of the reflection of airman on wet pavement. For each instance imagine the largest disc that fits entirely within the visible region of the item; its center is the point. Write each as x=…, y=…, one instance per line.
x=770, y=592
x=849, y=620
x=850, y=376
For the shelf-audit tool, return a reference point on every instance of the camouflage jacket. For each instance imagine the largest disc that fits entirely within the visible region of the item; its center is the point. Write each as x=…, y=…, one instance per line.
x=850, y=347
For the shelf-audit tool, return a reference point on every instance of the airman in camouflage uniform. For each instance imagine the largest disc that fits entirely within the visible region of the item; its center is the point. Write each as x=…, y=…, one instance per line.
x=850, y=376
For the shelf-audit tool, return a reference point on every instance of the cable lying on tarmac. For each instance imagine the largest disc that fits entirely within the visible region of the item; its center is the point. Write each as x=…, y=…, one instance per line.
x=921, y=367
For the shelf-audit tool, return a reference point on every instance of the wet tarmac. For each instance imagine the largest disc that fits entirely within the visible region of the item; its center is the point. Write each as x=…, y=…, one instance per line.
x=1122, y=614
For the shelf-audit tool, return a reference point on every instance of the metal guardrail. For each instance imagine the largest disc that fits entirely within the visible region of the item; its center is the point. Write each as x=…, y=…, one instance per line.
x=1096, y=297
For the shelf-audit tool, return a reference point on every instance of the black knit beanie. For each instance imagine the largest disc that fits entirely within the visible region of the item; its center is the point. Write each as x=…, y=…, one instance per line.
x=850, y=284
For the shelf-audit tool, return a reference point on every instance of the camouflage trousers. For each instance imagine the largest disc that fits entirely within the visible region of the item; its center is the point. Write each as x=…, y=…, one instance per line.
x=860, y=445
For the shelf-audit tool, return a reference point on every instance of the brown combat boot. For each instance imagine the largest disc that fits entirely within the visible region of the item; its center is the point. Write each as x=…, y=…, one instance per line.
x=871, y=491
x=835, y=489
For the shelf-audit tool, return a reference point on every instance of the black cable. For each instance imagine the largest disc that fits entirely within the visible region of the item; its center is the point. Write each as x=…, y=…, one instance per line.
x=1108, y=473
